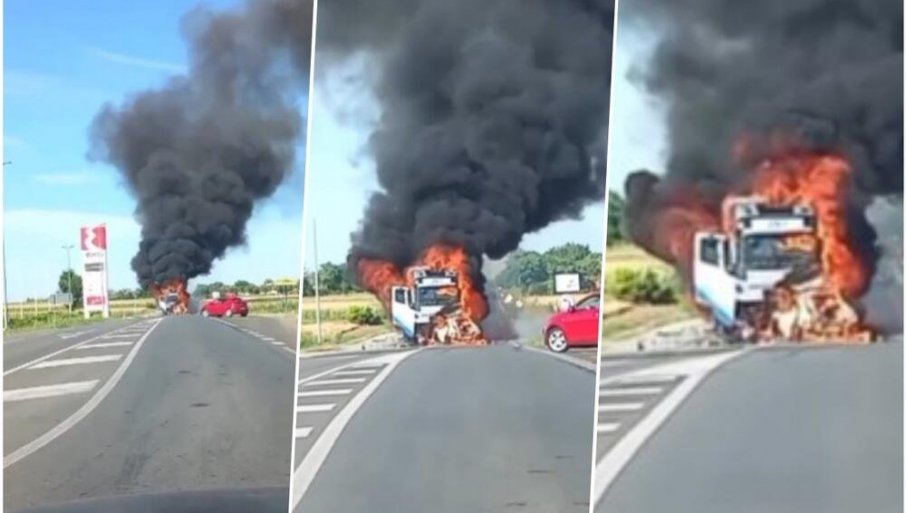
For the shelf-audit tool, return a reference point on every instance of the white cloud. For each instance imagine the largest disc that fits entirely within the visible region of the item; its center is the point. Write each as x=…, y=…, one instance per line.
x=138, y=62
x=11, y=141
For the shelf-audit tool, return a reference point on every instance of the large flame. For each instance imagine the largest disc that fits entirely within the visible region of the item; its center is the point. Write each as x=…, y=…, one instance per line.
x=178, y=286
x=457, y=326
x=822, y=311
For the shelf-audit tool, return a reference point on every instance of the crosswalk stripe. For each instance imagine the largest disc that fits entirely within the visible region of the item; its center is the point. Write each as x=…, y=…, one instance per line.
x=76, y=361
x=106, y=344
x=22, y=394
x=316, y=393
x=645, y=379
x=620, y=407
x=314, y=408
x=355, y=372
x=618, y=392
x=345, y=381
x=303, y=432
x=608, y=427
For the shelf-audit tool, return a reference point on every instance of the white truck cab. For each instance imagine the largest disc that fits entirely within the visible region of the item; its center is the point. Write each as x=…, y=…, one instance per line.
x=732, y=270
x=413, y=308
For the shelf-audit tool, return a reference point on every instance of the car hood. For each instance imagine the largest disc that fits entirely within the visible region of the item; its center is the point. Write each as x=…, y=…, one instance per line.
x=249, y=500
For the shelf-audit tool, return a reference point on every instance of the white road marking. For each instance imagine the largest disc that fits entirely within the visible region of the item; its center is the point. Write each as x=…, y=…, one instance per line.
x=646, y=380
x=360, y=372
x=76, y=361
x=66, y=336
x=608, y=427
x=345, y=381
x=618, y=392
x=267, y=339
x=614, y=363
x=106, y=344
x=22, y=394
x=277, y=343
x=55, y=353
x=305, y=473
x=314, y=408
x=620, y=407
x=579, y=362
x=82, y=412
x=303, y=432
x=695, y=370
x=317, y=393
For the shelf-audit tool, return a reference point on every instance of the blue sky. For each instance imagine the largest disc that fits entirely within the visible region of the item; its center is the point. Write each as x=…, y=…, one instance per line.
x=62, y=62
x=341, y=174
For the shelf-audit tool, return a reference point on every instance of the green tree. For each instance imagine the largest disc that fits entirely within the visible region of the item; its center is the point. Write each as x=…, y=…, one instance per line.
x=244, y=286
x=332, y=279
x=68, y=277
x=616, y=210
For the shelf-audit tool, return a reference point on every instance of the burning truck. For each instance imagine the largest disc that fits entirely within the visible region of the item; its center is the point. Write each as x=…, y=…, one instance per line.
x=434, y=301
x=171, y=297
x=779, y=260
x=761, y=278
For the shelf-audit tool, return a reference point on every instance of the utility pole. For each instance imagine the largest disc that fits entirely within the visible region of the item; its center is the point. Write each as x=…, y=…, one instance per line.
x=68, y=247
x=314, y=236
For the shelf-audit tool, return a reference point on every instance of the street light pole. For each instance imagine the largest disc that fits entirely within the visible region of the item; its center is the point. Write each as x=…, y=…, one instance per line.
x=69, y=275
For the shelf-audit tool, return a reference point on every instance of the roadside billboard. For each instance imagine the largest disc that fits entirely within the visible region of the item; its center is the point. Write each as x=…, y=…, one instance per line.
x=94, y=276
x=567, y=282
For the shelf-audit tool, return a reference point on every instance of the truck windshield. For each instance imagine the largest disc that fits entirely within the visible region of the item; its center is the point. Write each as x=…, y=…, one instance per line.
x=435, y=296
x=771, y=252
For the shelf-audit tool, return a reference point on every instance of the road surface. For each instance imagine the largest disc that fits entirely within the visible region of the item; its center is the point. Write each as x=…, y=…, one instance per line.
x=785, y=429
x=485, y=429
x=160, y=405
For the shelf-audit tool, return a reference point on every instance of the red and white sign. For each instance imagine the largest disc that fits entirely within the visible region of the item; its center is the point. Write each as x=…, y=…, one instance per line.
x=94, y=278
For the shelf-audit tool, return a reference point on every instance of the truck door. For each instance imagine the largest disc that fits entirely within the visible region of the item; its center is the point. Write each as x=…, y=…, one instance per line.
x=401, y=311
x=713, y=285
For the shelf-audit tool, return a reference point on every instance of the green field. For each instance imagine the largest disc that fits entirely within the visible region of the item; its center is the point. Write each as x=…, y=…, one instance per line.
x=636, y=318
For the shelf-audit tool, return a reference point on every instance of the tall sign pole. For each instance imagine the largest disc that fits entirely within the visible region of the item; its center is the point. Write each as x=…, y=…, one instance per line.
x=94, y=280
x=314, y=234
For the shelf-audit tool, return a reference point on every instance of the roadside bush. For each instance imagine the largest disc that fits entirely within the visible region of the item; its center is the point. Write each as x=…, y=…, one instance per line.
x=363, y=316
x=643, y=286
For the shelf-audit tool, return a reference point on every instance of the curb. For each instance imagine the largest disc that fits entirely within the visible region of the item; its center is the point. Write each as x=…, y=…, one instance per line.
x=576, y=362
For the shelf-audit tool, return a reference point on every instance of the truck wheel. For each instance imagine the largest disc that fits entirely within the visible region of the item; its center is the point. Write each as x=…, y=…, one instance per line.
x=556, y=340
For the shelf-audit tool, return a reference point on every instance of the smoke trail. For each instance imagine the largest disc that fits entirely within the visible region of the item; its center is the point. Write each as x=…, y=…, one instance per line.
x=198, y=152
x=492, y=114
x=824, y=74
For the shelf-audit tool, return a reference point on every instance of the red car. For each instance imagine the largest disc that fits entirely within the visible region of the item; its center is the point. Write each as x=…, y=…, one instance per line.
x=575, y=327
x=225, y=307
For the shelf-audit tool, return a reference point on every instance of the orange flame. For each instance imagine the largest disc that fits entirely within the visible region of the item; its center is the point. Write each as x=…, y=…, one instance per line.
x=462, y=326
x=177, y=285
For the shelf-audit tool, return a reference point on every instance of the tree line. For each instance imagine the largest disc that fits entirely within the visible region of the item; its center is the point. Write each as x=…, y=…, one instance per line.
x=533, y=272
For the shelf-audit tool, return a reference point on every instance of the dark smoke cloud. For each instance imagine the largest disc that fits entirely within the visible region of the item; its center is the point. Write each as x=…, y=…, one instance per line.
x=828, y=74
x=198, y=152
x=492, y=111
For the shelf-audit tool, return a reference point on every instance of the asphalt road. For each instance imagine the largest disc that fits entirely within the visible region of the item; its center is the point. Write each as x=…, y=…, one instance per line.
x=786, y=429
x=180, y=403
x=446, y=430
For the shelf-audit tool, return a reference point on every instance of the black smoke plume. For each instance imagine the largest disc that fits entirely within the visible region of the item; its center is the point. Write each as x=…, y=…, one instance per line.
x=825, y=75
x=198, y=152
x=493, y=123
